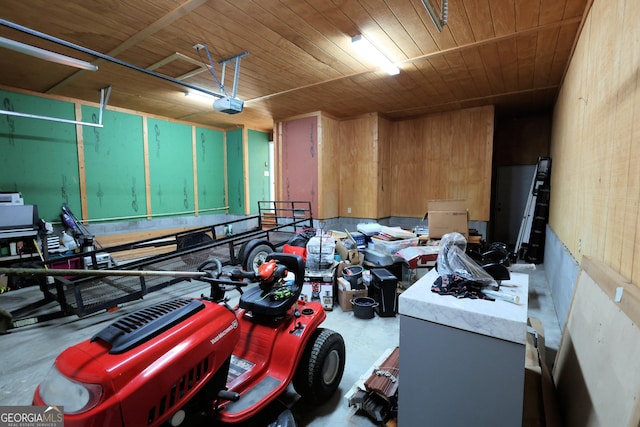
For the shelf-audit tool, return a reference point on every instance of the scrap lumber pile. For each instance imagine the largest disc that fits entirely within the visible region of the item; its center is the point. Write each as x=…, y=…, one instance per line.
x=379, y=396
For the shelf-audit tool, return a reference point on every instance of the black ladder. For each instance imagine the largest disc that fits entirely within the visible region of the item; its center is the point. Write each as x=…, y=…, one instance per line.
x=536, y=216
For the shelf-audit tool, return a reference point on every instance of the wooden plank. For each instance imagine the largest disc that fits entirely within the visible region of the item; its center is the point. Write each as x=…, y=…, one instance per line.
x=504, y=17
x=527, y=14
x=493, y=69
x=444, y=39
x=551, y=11
x=245, y=161
x=480, y=19
x=611, y=283
x=82, y=171
x=526, y=47
x=404, y=45
x=508, y=53
x=358, y=167
x=595, y=368
x=269, y=220
x=543, y=59
x=161, y=23
x=417, y=28
x=108, y=240
x=329, y=184
x=297, y=22
x=473, y=60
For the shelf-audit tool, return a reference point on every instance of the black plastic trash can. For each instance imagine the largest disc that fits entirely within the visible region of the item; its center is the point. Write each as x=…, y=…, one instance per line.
x=384, y=290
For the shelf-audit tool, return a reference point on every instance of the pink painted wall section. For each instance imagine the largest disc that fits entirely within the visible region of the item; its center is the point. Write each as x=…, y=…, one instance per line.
x=300, y=161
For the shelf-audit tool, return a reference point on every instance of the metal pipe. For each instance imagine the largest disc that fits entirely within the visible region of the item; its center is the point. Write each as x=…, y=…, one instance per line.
x=52, y=119
x=104, y=97
x=119, y=218
x=47, y=55
x=100, y=55
x=82, y=272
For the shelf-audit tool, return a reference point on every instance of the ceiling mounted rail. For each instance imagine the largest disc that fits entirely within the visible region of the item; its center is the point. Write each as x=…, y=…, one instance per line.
x=46, y=54
x=236, y=71
x=97, y=54
x=438, y=20
x=104, y=98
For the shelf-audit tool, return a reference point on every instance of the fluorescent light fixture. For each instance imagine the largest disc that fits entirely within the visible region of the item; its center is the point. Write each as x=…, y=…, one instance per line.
x=373, y=55
x=200, y=96
x=46, y=54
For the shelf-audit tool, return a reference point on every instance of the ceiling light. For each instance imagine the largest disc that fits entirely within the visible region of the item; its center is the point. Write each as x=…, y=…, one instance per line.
x=46, y=54
x=200, y=96
x=373, y=55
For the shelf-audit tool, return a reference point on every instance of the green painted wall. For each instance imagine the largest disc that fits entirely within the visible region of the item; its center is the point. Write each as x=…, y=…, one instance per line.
x=235, y=172
x=259, y=189
x=114, y=165
x=170, y=167
x=39, y=158
x=210, y=166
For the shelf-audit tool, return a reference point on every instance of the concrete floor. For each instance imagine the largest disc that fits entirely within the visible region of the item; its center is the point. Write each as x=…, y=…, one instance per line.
x=28, y=352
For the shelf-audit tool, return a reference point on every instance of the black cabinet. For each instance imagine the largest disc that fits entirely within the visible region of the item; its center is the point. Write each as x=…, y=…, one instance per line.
x=384, y=290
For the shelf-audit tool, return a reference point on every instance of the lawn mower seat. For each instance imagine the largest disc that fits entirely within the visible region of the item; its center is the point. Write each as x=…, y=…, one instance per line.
x=261, y=301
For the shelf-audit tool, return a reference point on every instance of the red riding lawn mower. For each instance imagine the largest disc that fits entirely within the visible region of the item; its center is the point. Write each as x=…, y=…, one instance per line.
x=189, y=359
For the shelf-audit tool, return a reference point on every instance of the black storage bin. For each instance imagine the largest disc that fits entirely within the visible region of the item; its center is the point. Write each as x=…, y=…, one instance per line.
x=384, y=290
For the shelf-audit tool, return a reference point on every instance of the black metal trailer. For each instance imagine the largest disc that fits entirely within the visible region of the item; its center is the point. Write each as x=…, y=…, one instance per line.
x=256, y=237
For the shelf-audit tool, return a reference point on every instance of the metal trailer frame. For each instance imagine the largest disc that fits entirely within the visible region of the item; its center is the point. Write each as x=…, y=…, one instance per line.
x=276, y=222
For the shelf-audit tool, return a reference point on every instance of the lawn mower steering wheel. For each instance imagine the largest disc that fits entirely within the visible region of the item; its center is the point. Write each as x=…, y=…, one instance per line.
x=214, y=273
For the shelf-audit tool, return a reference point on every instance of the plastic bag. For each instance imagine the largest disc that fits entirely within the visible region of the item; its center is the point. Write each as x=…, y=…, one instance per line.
x=453, y=260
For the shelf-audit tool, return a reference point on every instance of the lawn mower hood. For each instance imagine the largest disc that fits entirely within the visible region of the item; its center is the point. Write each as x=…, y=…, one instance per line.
x=142, y=368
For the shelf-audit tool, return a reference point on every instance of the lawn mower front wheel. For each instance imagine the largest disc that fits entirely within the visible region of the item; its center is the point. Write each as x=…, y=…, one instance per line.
x=321, y=367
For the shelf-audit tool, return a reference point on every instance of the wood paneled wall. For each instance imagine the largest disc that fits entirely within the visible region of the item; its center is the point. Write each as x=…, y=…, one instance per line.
x=442, y=156
x=393, y=168
x=359, y=164
x=385, y=167
x=329, y=167
x=595, y=179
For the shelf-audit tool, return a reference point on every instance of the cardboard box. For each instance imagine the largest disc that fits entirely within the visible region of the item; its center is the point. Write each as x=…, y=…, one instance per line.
x=353, y=256
x=345, y=294
x=447, y=216
x=441, y=223
x=447, y=205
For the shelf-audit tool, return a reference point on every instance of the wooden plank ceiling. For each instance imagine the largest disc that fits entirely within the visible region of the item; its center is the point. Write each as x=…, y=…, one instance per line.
x=510, y=53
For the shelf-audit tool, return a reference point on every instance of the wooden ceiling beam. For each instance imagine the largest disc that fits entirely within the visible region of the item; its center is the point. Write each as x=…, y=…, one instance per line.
x=177, y=13
x=492, y=40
